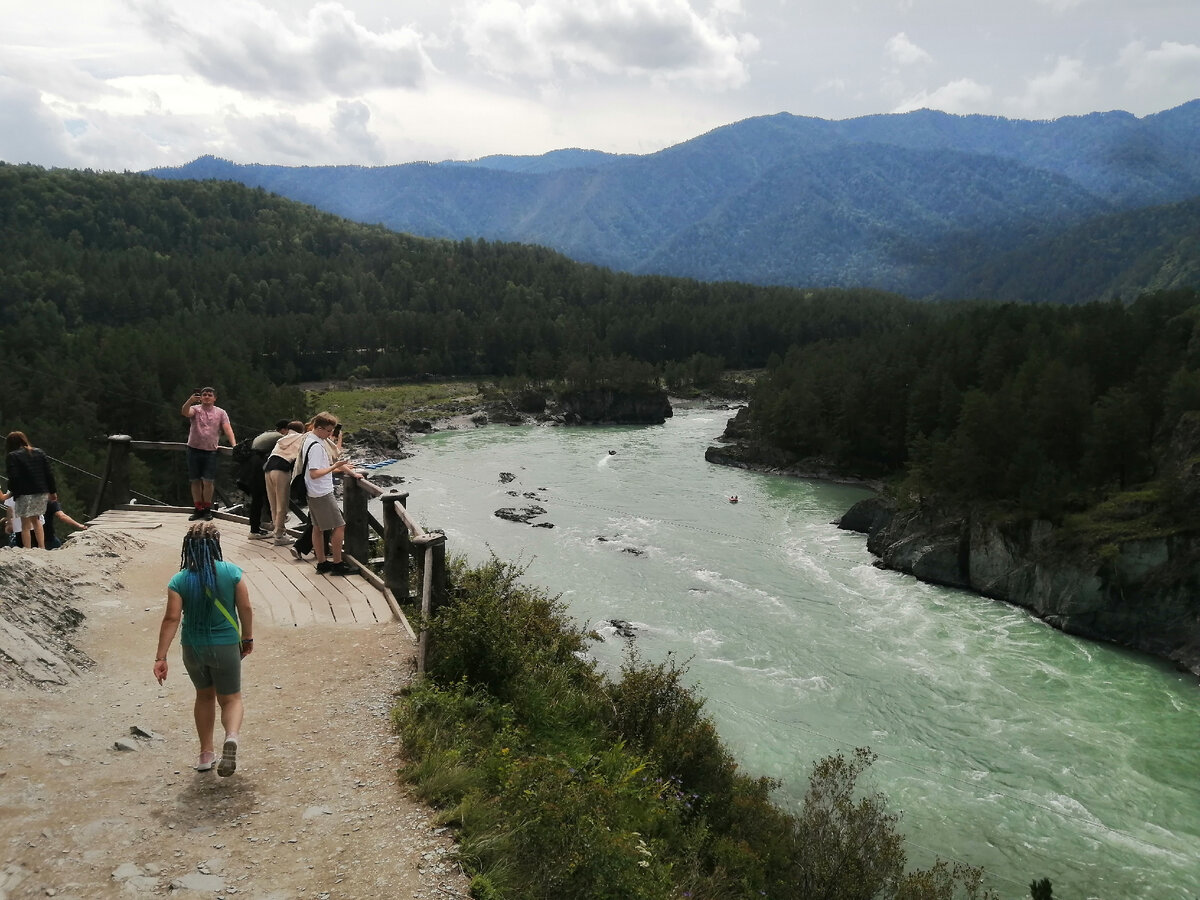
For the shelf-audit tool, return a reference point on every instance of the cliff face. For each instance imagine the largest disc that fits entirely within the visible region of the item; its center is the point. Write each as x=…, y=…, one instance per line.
x=1145, y=596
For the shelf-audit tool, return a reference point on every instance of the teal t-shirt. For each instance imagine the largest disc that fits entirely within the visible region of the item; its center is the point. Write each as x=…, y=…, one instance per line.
x=204, y=625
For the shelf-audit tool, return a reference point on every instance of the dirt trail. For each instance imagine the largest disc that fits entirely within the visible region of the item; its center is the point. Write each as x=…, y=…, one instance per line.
x=314, y=811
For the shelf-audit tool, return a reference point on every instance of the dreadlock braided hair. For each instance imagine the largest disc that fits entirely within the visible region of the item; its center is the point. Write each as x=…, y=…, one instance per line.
x=200, y=552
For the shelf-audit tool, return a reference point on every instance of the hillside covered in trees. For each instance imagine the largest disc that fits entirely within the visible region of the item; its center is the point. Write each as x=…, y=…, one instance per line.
x=119, y=294
x=1036, y=409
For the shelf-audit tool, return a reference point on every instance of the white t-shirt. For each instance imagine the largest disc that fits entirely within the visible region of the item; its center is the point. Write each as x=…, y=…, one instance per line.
x=318, y=458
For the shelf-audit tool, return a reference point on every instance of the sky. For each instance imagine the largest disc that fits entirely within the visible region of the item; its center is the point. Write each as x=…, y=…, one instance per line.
x=118, y=85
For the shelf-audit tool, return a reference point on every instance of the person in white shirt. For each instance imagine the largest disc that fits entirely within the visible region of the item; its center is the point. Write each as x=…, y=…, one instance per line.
x=323, y=507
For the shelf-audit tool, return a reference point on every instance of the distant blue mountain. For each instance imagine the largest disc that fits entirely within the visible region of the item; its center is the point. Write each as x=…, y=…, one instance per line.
x=915, y=203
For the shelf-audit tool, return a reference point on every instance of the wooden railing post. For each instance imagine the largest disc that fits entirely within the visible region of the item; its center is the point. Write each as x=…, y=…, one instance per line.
x=114, y=486
x=437, y=593
x=433, y=591
x=397, y=548
x=357, y=540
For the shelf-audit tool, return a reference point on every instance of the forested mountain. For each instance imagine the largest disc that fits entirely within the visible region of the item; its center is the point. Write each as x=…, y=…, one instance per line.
x=925, y=203
x=120, y=294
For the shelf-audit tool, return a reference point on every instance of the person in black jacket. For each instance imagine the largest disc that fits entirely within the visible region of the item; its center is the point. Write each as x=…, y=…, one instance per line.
x=31, y=483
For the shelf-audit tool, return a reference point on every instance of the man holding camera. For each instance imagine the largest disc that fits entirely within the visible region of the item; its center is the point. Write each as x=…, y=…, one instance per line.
x=207, y=422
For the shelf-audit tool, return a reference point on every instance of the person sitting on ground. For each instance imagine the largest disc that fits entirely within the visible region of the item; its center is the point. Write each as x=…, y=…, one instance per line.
x=278, y=475
x=323, y=507
x=55, y=513
x=260, y=450
x=31, y=484
x=204, y=435
x=211, y=598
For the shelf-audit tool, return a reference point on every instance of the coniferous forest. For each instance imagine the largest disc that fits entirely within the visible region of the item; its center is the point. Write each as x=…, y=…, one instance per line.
x=121, y=293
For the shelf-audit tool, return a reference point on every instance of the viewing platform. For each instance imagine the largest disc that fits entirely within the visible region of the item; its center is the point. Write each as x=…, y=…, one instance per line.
x=285, y=591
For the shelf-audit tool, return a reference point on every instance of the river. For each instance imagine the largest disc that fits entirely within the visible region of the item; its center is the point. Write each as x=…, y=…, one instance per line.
x=1005, y=743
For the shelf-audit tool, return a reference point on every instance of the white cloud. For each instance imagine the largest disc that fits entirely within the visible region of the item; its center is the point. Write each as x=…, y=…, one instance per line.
x=1172, y=61
x=962, y=96
x=350, y=123
x=1061, y=6
x=29, y=131
x=1156, y=78
x=247, y=46
x=904, y=52
x=664, y=40
x=1067, y=88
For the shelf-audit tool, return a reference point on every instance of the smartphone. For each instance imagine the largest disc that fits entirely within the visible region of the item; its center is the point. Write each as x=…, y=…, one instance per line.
x=337, y=429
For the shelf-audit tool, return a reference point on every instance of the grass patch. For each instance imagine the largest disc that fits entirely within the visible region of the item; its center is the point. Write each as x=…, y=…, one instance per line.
x=1143, y=514
x=381, y=406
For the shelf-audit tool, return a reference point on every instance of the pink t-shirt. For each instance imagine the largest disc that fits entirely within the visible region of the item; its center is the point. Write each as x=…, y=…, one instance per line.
x=205, y=433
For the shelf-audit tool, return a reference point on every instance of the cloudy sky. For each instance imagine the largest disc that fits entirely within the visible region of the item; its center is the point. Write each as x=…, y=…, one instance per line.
x=130, y=84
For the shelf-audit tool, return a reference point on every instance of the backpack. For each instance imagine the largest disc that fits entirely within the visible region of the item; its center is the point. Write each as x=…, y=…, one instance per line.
x=243, y=460
x=298, y=492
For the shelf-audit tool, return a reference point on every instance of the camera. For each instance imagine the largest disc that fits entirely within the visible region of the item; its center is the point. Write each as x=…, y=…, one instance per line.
x=337, y=429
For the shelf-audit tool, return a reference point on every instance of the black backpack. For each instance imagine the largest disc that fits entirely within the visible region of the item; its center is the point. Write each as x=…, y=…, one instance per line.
x=299, y=491
x=243, y=462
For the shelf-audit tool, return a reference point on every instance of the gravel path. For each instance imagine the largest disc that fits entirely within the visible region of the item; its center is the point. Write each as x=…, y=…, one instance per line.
x=314, y=811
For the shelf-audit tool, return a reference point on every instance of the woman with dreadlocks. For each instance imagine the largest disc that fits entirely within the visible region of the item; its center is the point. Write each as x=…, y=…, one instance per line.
x=211, y=598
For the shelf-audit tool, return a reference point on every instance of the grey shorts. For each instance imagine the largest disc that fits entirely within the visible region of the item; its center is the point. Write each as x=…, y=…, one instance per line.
x=325, y=512
x=219, y=667
x=28, y=505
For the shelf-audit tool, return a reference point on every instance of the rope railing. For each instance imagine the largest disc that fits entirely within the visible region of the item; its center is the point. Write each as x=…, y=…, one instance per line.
x=403, y=537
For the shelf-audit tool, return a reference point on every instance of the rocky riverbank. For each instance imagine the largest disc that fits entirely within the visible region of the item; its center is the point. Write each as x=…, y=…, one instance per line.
x=1143, y=594
x=1140, y=594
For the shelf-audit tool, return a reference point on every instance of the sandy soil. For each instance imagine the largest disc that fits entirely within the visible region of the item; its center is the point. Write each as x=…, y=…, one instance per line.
x=314, y=810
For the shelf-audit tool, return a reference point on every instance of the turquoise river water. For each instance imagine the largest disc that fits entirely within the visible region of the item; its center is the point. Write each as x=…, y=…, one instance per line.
x=1005, y=743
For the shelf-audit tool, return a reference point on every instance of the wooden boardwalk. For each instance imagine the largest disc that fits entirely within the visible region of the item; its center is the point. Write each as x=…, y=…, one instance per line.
x=285, y=591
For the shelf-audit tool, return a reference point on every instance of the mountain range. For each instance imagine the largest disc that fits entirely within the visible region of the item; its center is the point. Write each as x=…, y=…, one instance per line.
x=925, y=203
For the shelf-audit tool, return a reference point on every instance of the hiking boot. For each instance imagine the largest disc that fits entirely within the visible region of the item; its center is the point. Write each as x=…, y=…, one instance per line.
x=207, y=515
x=198, y=514
x=342, y=568
x=324, y=566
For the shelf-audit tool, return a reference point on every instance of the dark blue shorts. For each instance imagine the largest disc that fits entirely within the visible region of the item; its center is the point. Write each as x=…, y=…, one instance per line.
x=202, y=464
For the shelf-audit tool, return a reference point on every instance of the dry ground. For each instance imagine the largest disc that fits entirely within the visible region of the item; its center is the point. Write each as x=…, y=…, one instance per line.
x=314, y=810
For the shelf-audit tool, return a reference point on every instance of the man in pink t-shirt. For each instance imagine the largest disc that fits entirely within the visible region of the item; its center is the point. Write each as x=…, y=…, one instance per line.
x=207, y=422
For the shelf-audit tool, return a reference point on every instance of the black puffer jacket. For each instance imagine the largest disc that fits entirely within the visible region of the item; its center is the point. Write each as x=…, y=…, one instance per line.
x=29, y=472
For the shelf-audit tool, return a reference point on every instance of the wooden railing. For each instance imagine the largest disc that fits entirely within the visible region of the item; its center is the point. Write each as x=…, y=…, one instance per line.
x=404, y=540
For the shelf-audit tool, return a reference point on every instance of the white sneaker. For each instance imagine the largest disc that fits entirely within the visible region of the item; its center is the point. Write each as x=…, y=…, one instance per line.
x=283, y=540
x=259, y=535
